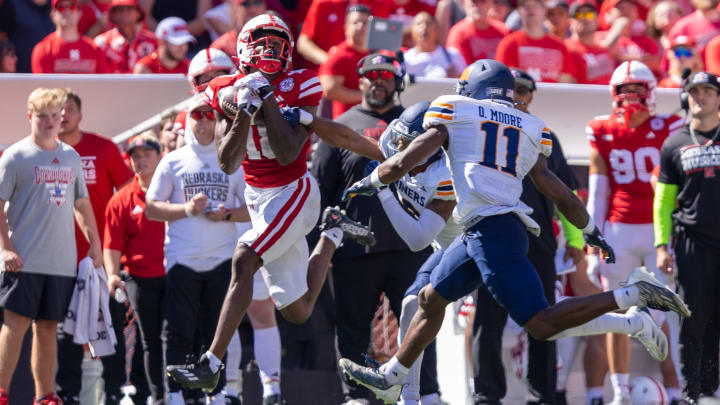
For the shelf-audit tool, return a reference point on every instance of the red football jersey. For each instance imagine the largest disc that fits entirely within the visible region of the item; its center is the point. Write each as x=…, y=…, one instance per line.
x=296, y=88
x=121, y=55
x=104, y=170
x=630, y=155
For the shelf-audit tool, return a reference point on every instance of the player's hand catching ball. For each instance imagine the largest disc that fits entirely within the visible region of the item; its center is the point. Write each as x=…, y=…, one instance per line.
x=361, y=187
x=595, y=238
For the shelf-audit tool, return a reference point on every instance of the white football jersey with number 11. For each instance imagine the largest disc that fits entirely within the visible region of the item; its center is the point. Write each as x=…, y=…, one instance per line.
x=491, y=148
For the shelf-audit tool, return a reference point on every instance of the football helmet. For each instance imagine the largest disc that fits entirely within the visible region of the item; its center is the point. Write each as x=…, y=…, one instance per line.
x=632, y=72
x=255, y=48
x=647, y=391
x=487, y=79
x=405, y=129
x=208, y=60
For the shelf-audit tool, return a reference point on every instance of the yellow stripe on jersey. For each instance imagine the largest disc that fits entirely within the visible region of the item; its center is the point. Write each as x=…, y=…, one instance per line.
x=438, y=115
x=445, y=183
x=547, y=142
x=445, y=193
x=444, y=105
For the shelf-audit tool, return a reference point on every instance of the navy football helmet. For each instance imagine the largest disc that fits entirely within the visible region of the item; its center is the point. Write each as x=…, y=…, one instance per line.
x=405, y=129
x=487, y=79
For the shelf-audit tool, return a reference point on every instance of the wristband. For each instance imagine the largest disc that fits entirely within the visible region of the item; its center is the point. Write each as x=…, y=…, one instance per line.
x=188, y=211
x=375, y=178
x=264, y=91
x=305, y=117
x=589, y=227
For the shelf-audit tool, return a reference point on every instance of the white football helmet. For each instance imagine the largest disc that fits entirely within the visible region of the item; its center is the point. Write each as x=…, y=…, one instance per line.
x=647, y=391
x=208, y=60
x=633, y=72
x=255, y=50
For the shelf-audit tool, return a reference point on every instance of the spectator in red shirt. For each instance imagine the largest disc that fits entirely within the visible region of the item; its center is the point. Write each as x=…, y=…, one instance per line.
x=626, y=40
x=541, y=55
x=338, y=75
x=593, y=64
x=104, y=171
x=477, y=35
x=558, y=18
x=322, y=30
x=173, y=38
x=241, y=11
x=661, y=20
x=712, y=56
x=66, y=50
x=703, y=24
x=681, y=55
x=129, y=41
x=8, y=59
x=134, y=245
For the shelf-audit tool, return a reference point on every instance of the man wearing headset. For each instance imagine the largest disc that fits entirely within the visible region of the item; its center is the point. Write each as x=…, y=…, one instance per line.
x=361, y=274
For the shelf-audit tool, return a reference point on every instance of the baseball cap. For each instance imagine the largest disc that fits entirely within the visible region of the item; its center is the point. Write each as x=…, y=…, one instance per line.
x=582, y=3
x=378, y=61
x=139, y=142
x=174, y=30
x=550, y=4
x=523, y=79
x=130, y=3
x=702, y=78
x=683, y=40
x=55, y=2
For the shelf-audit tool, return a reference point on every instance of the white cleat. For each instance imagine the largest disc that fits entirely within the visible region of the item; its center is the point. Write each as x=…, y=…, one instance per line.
x=651, y=336
x=373, y=380
x=655, y=295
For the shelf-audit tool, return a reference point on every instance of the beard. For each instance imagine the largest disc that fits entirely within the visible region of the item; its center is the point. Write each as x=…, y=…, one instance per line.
x=378, y=102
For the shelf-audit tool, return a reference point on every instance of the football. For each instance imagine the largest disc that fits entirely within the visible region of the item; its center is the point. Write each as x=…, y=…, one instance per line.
x=647, y=391
x=227, y=99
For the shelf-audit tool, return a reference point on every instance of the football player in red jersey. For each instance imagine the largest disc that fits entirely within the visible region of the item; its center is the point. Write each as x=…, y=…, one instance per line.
x=624, y=149
x=282, y=197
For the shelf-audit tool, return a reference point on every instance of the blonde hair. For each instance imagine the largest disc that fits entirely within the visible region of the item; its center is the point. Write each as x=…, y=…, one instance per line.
x=43, y=98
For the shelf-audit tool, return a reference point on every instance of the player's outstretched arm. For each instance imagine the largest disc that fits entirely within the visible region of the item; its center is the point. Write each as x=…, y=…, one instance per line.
x=231, y=144
x=285, y=141
x=341, y=136
x=419, y=150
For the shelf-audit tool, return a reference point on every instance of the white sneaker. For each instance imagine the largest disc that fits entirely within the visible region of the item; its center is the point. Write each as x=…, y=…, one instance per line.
x=655, y=295
x=651, y=336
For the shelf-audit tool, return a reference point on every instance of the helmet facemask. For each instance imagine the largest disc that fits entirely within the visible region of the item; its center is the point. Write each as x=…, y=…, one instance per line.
x=626, y=104
x=269, y=51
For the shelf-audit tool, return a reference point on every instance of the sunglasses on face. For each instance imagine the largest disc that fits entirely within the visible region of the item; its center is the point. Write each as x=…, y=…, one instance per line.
x=250, y=3
x=198, y=115
x=63, y=7
x=682, y=53
x=374, y=74
x=585, y=15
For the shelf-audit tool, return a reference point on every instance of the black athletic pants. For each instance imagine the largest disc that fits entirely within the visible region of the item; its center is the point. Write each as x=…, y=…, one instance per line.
x=490, y=319
x=357, y=284
x=147, y=296
x=193, y=303
x=70, y=356
x=699, y=284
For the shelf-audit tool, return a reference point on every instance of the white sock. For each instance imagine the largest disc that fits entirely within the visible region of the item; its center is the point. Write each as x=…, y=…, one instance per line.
x=594, y=392
x=621, y=384
x=411, y=389
x=268, y=355
x=626, y=297
x=335, y=235
x=606, y=323
x=673, y=393
x=394, y=371
x=215, y=363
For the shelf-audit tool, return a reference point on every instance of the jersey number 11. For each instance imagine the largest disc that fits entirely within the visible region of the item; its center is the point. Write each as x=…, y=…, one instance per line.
x=490, y=150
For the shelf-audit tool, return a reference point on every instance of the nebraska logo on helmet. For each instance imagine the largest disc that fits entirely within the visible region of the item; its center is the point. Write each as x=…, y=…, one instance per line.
x=265, y=43
x=208, y=60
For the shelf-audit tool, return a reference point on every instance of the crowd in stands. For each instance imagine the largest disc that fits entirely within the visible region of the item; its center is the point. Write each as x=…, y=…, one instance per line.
x=555, y=41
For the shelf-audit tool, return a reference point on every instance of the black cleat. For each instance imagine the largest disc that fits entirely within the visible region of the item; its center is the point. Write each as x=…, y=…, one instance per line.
x=197, y=375
x=333, y=217
x=274, y=399
x=231, y=400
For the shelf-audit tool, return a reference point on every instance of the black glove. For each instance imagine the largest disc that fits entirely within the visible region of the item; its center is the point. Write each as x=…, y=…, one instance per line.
x=362, y=187
x=595, y=238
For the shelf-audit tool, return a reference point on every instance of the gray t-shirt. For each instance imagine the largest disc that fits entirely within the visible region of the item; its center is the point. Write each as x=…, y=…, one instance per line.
x=41, y=188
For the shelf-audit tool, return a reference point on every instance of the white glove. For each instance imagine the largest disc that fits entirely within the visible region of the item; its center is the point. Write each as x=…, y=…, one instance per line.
x=593, y=269
x=248, y=101
x=257, y=83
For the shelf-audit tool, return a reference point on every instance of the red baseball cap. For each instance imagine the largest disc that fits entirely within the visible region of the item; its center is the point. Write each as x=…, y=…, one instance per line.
x=130, y=3
x=683, y=40
x=55, y=2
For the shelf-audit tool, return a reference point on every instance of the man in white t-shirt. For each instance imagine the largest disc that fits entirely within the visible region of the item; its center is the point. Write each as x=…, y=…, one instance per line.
x=428, y=58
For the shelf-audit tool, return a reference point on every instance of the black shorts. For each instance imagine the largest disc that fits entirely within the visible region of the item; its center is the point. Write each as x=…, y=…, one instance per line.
x=36, y=296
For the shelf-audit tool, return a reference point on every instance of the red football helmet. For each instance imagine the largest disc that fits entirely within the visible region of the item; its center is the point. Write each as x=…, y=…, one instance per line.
x=630, y=72
x=208, y=60
x=265, y=43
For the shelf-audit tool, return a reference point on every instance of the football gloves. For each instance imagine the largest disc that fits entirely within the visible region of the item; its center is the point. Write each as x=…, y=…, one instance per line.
x=595, y=238
x=362, y=187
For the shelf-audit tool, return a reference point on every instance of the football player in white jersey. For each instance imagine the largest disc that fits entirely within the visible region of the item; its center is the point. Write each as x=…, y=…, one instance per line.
x=491, y=146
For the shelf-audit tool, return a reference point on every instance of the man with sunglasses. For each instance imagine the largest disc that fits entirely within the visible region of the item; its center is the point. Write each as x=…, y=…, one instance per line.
x=66, y=50
x=200, y=203
x=681, y=55
x=241, y=11
x=624, y=149
x=594, y=65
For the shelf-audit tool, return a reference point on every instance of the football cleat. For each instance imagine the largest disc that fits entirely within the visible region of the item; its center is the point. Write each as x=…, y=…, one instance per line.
x=274, y=399
x=333, y=217
x=196, y=375
x=655, y=295
x=651, y=336
x=372, y=379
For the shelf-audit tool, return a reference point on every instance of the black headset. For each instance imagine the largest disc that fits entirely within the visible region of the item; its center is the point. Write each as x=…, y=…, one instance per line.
x=395, y=60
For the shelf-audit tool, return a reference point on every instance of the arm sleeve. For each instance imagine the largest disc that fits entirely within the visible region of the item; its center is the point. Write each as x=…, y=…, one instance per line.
x=419, y=233
x=663, y=206
x=573, y=235
x=597, y=204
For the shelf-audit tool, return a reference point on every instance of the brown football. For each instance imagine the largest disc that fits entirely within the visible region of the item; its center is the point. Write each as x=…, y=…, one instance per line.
x=227, y=100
